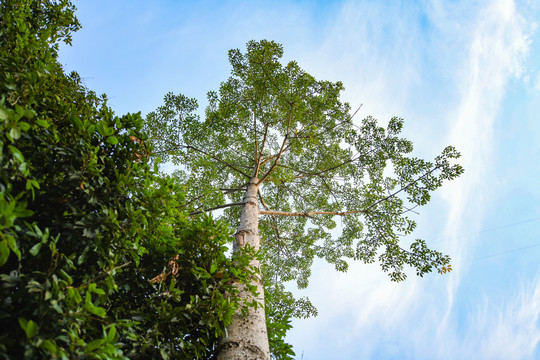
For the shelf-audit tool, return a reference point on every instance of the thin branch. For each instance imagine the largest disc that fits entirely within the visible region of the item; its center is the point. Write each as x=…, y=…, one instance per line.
x=307, y=174
x=389, y=243
x=195, y=199
x=320, y=133
x=256, y=144
x=271, y=81
x=356, y=111
x=268, y=159
x=228, y=191
x=310, y=213
x=216, y=208
x=282, y=147
x=259, y=158
x=329, y=189
x=275, y=162
x=262, y=200
x=178, y=146
x=293, y=194
x=410, y=210
x=219, y=160
x=403, y=188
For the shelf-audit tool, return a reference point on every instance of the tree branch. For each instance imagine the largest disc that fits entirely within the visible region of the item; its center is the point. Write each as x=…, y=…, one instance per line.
x=282, y=147
x=307, y=174
x=403, y=188
x=310, y=213
x=218, y=160
x=216, y=208
x=228, y=191
x=275, y=162
x=178, y=146
x=356, y=111
x=262, y=200
x=259, y=158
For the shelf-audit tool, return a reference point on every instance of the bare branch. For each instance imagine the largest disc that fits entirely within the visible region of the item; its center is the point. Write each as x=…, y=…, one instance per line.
x=262, y=199
x=356, y=111
x=228, y=191
x=259, y=158
x=216, y=208
x=179, y=146
x=310, y=213
x=276, y=161
x=218, y=159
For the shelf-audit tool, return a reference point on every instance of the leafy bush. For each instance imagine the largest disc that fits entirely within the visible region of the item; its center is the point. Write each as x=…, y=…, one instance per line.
x=97, y=258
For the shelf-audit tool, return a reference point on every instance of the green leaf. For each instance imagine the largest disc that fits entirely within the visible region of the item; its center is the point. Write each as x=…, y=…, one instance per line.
x=29, y=327
x=76, y=121
x=23, y=125
x=29, y=114
x=111, y=335
x=4, y=114
x=43, y=123
x=4, y=252
x=12, y=243
x=66, y=276
x=49, y=346
x=35, y=249
x=96, y=310
x=112, y=140
x=16, y=153
x=15, y=133
x=93, y=345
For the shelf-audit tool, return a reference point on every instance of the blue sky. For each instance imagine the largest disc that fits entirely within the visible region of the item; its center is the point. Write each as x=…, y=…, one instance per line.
x=460, y=72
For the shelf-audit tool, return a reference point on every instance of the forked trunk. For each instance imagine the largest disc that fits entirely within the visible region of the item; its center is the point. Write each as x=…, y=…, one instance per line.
x=247, y=336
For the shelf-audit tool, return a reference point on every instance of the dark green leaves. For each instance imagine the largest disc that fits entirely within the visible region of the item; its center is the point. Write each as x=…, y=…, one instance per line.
x=86, y=224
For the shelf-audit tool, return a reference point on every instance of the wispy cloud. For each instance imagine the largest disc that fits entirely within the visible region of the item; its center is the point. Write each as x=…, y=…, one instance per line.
x=511, y=329
x=498, y=45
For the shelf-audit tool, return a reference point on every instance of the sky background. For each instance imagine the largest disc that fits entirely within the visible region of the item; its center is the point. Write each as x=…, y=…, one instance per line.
x=463, y=73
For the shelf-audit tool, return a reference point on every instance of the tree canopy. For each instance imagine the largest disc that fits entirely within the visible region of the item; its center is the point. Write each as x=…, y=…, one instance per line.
x=314, y=163
x=314, y=166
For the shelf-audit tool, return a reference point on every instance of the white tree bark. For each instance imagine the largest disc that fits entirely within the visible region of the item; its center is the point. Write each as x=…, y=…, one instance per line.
x=247, y=335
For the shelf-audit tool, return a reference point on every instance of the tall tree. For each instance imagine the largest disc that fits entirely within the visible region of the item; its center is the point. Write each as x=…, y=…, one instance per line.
x=281, y=154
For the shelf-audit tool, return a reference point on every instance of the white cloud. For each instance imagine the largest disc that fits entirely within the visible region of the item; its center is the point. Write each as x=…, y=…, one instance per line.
x=498, y=46
x=510, y=330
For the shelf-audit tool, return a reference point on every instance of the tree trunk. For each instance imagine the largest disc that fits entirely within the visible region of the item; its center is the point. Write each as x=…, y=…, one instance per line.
x=247, y=336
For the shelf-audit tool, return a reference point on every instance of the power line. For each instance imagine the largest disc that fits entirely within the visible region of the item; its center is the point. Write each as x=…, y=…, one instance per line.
x=509, y=225
x=440, y=239
x=501, y=253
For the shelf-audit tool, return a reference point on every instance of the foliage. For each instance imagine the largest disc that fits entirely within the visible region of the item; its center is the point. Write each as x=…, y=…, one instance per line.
x=313, y=164
x=97, y=259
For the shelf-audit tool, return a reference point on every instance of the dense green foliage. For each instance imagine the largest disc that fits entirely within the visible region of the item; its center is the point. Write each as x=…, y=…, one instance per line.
x=97, y=258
